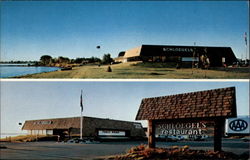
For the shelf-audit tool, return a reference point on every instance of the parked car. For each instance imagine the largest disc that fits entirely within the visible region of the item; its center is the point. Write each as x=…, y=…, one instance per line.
x=198, y=137
x=75, y=140
x=90, y=141
x=246, y=139
x=180, y=138
x=82, y=141
x=171, y=139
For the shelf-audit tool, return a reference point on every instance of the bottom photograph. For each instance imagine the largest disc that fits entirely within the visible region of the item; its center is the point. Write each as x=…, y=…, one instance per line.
x=125, y=120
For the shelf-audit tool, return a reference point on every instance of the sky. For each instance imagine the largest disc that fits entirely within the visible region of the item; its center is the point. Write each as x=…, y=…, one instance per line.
x=120, y=100
x=30, y=29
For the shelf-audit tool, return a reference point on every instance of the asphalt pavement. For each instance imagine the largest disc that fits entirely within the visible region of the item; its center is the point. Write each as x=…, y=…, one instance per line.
x=54, y=150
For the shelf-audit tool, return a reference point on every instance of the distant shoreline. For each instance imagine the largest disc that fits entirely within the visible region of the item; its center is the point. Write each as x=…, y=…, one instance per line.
x=4, y=136
x=59, y=65
x=15, y=65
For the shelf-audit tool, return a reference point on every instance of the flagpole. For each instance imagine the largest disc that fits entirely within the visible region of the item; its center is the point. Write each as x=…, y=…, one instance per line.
x=81, y=105
x=81, y=126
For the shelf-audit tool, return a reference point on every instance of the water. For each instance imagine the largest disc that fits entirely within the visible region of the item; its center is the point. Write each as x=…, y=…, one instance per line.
x=12, y=70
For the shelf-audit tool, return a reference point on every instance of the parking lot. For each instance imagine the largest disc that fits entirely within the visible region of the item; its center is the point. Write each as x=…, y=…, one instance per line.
x=54, y=150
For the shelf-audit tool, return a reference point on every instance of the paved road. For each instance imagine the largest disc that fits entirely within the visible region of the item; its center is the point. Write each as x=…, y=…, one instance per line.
x=52, y=150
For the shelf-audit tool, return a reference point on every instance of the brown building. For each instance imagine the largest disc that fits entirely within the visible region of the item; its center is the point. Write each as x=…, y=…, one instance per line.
x=186, y=55
x=92, y=127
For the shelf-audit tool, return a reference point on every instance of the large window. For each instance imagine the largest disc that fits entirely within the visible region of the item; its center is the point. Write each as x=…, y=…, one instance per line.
x=189, y=59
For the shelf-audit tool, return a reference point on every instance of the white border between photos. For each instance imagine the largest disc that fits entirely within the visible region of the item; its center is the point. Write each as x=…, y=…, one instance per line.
x=127, y=80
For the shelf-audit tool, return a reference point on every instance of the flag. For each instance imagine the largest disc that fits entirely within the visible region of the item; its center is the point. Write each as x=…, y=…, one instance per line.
x=81, y=102
x=245, y=37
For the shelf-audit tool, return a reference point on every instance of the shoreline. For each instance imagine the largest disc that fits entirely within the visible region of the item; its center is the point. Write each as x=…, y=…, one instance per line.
x=28, y=75
x=130, y=71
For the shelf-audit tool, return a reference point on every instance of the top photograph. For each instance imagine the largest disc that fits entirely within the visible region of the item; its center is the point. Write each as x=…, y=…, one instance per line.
x=124, y=40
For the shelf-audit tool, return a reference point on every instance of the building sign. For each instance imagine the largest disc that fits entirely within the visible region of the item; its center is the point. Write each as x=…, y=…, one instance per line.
x=238, y=125
x=168, y=49
x=111, y=133
x=192, y=128
x=42, y=122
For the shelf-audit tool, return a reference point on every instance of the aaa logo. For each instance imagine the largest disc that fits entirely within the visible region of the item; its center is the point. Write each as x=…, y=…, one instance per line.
x=238, y=125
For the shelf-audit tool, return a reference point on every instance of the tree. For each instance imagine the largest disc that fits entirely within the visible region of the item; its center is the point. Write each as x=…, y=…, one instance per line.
x=94, y=59
x=107, y=59
x=45, y=59
x=63, y=59
x=79, y=60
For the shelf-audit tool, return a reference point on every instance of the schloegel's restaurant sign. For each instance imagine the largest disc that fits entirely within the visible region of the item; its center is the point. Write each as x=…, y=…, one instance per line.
x=192, y=128
x=178, y=50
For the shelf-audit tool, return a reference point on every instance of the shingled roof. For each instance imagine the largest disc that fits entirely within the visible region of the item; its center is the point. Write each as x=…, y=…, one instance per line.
x=74, y=122
x=203, y=104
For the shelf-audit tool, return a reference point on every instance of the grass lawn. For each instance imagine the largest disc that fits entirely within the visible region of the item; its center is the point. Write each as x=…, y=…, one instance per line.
x=135, y=70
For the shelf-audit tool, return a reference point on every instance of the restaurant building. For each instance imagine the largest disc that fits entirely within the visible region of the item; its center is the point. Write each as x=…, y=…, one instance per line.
x=92, y=128
x=198, y=55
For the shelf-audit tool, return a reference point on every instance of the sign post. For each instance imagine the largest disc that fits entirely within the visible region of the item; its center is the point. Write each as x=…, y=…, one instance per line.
x=218, y=131
x=151, y=134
